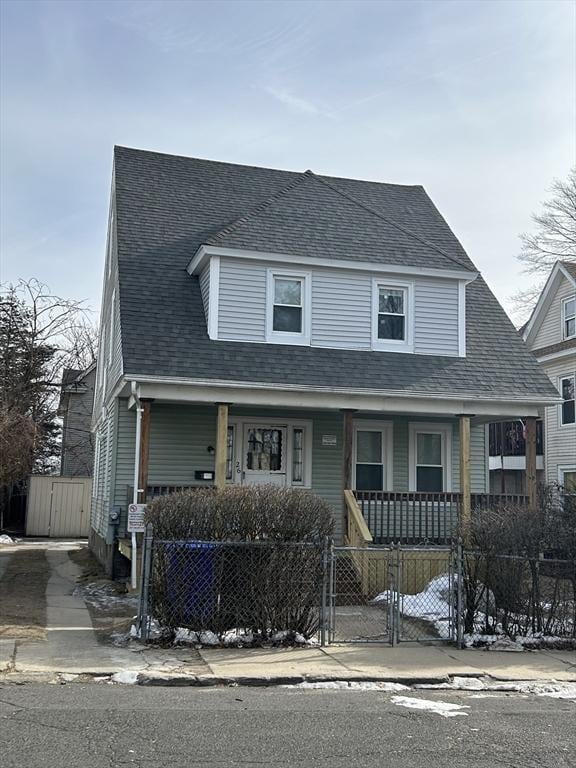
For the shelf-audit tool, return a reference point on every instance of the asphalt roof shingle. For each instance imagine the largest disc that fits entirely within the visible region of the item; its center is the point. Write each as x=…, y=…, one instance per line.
x=167, y=206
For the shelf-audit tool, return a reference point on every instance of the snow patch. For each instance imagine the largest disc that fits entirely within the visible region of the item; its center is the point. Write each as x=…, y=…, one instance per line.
x=442, y=708
x=5, y=539
x=353, y=685
x=432, y=604
x=127, y=677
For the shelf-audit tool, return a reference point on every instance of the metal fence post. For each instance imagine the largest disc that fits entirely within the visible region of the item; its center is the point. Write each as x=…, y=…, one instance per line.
x=143, y=618
x=331, y=592
x=459, y=594
x=324, y=592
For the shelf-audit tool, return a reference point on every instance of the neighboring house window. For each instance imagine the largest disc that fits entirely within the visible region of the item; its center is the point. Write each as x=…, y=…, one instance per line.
x=569, y=318
x=567, y=478
x=430, y=458
x=567, y=389
x=392, y=316
x=372, y=457
x=288, y=318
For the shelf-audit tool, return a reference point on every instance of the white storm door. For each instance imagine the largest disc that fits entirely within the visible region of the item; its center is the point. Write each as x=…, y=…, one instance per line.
x=264, y=459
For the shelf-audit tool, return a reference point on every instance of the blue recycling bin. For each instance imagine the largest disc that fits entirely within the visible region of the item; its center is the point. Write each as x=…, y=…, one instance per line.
x=191, y=582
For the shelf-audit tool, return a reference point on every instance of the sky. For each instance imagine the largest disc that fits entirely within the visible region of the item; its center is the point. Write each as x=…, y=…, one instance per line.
x=476, y=101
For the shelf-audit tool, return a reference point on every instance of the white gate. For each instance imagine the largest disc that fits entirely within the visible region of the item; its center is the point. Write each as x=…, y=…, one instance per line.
x=58, y=507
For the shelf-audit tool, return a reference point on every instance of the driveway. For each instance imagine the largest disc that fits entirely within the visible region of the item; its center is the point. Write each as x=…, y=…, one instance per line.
x=44, y=622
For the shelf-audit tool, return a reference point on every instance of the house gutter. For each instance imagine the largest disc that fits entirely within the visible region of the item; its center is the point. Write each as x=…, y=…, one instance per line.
x=139, y=410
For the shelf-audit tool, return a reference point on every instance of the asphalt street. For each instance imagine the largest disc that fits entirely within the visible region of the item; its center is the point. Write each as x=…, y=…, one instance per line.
x=104, y=726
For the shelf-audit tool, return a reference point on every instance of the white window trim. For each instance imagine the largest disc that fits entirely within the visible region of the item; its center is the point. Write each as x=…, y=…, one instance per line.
x=239, y=423
x=280, y=337
x=561, y=423
x=563, y=318
x=391, y=345
x=387, y=430
x=446, y=431
x=213, y=297
x=96, y=468
x=562, y=468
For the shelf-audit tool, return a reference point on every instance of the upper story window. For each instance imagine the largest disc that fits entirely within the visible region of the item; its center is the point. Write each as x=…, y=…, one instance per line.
x=392, y=321
x=288, y=307
x=569, y=318
x=567, y=390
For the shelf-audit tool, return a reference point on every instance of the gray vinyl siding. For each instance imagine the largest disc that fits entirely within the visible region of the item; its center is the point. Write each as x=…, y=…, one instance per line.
x=103, y=478
x=551, y=331
x=435, y=317
x=205, y=288
x=242, y=301
x=110, y=331
x=341, y=311
x=560, y=440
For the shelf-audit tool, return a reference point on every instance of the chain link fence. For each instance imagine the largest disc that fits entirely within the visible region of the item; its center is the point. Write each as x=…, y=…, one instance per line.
x=531, y=600
x=259, y=591
x=262, y=591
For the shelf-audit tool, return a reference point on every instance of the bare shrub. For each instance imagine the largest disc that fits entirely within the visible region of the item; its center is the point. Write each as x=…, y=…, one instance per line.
x=520, y=567
x=247, y=513
x=248, y=559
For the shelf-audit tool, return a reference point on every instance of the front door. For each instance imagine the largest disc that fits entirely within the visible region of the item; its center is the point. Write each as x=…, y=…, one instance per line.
x=264, y=459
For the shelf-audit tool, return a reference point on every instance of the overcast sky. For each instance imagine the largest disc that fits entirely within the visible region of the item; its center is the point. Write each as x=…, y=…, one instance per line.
x=473, y=100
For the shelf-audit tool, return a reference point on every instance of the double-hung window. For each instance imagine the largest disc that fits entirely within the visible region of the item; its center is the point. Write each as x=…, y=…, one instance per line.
x=372, y=456
x=392, y=316
x=569, y=318
x=288, y=316
x=567, y=408
x=430, y=458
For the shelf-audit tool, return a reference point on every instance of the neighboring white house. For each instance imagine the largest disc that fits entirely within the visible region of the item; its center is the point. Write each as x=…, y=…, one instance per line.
x=551, y=337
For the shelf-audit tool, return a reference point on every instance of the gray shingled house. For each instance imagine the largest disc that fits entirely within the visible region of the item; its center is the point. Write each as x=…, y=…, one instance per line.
x=265, y=326
x=75, y=409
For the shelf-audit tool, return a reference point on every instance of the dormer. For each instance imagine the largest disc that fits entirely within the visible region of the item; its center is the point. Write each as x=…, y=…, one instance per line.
x=312, y=266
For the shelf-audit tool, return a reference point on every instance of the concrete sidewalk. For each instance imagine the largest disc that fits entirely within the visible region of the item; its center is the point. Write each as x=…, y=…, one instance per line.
x=71, y=647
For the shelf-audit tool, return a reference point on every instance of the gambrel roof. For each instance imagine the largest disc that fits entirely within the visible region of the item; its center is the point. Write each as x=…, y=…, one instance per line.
x=166, y=207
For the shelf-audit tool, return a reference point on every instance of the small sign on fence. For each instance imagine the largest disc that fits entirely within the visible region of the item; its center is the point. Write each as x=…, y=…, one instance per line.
x=136, y=518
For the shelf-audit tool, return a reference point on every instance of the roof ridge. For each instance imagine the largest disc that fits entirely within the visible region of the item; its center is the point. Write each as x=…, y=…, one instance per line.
x=262, y=206
x=379, y=215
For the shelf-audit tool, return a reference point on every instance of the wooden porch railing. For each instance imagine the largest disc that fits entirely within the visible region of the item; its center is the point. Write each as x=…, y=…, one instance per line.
x=417, y=518
x=357, y=532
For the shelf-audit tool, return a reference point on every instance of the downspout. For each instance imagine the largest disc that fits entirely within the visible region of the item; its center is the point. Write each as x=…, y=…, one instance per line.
x=139, y=410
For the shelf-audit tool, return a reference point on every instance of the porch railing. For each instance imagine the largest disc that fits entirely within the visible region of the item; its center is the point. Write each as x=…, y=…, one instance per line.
x=163, y=489
x=418, y=518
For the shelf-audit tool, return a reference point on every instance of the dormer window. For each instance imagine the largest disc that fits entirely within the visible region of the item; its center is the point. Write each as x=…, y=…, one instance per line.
x=569, y=318
x=288, y=307
x=392, y=316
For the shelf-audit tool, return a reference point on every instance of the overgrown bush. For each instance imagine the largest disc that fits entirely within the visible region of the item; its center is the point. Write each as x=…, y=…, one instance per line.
x=245, y=560
x=243, y=513
x=519, y=570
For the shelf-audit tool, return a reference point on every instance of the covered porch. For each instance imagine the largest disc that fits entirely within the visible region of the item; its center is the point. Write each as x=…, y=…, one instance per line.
x=389, y=475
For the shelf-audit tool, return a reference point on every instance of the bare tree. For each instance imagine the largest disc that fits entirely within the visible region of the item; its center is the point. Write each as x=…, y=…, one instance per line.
x=553, y=240
x=40, y=335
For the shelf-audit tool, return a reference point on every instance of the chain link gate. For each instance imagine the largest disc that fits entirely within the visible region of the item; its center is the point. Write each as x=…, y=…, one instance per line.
x=394, y=594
